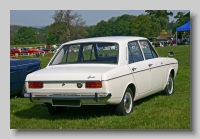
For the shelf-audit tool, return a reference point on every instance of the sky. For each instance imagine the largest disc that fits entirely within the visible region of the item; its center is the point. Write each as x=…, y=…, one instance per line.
x=92, y=17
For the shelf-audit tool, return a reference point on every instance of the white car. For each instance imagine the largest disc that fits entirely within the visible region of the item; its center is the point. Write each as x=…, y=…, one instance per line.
x=88, y=72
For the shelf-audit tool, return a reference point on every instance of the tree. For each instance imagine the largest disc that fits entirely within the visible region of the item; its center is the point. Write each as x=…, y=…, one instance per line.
x=102, y=29
x=51, y=39
x=68, y=25
x=181, y=19
x=25, y=35
x=143, y=26
x=160, y=16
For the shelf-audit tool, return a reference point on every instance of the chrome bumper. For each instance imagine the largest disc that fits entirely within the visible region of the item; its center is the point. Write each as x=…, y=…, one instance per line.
x=96, y=96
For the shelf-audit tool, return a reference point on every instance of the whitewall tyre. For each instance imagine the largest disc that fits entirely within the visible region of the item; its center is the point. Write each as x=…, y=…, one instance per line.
x=126, y=105
x=169, y=88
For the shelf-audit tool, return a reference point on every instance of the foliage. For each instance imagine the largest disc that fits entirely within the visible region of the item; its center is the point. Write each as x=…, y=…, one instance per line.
x=52, y=39
x=68, y=25
x=182, y=18
x=160, y=16
x=12, y=39
x=102, y=29
x=142, y=26
x=25, y=35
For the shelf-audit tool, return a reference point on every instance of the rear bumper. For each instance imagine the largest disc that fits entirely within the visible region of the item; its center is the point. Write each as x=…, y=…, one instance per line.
x=95, y=97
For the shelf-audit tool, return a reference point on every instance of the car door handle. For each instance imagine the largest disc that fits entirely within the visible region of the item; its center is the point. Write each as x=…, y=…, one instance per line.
x=150, y=64
x=134, y=69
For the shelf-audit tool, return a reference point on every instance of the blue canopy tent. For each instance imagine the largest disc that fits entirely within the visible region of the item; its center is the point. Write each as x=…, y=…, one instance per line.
x=185, y=27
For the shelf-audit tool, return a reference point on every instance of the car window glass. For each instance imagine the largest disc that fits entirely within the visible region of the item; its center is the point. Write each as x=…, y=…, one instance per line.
x=135, y=53
x=96, y=53
x=147, y=49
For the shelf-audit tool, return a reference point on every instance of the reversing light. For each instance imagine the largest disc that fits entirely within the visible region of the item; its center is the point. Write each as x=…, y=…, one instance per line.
x=93, y=84
x=35, y=84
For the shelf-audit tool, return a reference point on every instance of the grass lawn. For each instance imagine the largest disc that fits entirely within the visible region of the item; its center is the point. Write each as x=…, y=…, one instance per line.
x=153, y=112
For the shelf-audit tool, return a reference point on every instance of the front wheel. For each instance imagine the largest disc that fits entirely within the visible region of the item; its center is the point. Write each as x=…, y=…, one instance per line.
x=126, y=105
x=169, y=89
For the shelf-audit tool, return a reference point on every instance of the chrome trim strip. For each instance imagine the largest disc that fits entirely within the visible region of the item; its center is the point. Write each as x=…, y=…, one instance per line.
x=137, y=72
x=67, y=96
x=117, y=77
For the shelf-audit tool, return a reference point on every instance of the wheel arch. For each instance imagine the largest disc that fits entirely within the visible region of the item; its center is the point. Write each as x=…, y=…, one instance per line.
x=171, y=71
x=132, y=87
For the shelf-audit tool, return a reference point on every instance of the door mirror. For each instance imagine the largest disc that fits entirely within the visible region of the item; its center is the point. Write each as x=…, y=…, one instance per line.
x=171, y=54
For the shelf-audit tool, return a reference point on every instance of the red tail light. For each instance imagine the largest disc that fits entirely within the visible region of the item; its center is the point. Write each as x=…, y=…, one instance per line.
x=93, y=84
x=35, y=84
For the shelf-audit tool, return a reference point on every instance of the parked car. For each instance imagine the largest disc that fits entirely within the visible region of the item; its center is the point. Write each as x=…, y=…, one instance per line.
x=19, y=69
x=117, y=77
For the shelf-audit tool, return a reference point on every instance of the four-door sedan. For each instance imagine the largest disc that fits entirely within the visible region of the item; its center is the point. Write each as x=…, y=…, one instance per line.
x=102, y=71
x=19, y=68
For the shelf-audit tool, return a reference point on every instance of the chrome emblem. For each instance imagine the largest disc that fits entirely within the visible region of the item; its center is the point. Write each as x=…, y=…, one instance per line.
x=79, y=85
x=90, y=77
x=63, y=84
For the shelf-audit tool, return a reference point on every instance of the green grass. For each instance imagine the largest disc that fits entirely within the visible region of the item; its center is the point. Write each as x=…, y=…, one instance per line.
x=153, y=112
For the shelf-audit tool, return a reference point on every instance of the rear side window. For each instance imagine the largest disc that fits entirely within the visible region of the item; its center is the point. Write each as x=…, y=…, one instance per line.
x=147, y=49
x=135, y=53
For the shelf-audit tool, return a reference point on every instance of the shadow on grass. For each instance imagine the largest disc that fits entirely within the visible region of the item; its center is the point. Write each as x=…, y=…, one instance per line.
x=73, y=113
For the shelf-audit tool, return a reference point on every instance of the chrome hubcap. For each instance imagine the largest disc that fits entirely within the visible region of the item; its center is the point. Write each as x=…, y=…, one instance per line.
x=170, y=85
x=128, y=102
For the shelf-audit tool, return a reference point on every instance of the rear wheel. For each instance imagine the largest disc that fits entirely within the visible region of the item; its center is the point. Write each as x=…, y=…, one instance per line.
x=126, y=105
x=55, y=109
x=169, y=89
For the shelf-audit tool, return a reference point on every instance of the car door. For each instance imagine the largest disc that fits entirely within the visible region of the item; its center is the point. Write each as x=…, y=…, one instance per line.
x=156, y=65
x=139, y=67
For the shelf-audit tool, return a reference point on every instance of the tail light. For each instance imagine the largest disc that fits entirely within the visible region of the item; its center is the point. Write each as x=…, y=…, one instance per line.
x=35, y=84
x=93, y=84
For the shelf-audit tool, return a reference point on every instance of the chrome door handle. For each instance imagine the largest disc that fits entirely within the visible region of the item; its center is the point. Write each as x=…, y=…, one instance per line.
x=150, y=65
x=134, y=69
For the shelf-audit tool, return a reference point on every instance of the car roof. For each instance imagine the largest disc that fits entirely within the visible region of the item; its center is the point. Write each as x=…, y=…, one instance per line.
x=106, y=39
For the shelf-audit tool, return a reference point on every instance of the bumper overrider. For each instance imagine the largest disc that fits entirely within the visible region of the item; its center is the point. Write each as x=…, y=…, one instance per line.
x=70, y=99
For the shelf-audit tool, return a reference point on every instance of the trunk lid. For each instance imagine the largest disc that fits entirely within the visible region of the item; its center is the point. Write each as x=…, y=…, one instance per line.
x=69, y=73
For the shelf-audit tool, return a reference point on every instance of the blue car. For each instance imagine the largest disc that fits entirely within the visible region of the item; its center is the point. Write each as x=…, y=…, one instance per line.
x=19, y=69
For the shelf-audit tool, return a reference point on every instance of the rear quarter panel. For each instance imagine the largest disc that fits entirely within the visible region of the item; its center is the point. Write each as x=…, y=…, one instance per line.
x=116, y=81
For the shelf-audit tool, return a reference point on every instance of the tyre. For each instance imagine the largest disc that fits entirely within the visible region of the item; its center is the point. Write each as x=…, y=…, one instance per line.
x=53, y=110
x=169, y=89
x=126, y=105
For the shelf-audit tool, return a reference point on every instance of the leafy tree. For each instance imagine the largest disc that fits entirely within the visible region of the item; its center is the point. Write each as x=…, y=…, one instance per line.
x=102, y=29
x=90, y=31
x=182, y=18
x=25, y=35
x=160, y=16
x=51, y=39
x=141, y=26
x=68, y=25
x=12, y=39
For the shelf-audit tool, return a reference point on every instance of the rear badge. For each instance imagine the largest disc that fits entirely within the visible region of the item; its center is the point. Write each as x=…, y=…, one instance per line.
x=79, y=85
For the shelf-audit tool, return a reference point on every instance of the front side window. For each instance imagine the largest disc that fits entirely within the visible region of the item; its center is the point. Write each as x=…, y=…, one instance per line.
x=94, y=53
x=135, y=53
x=147, y=49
